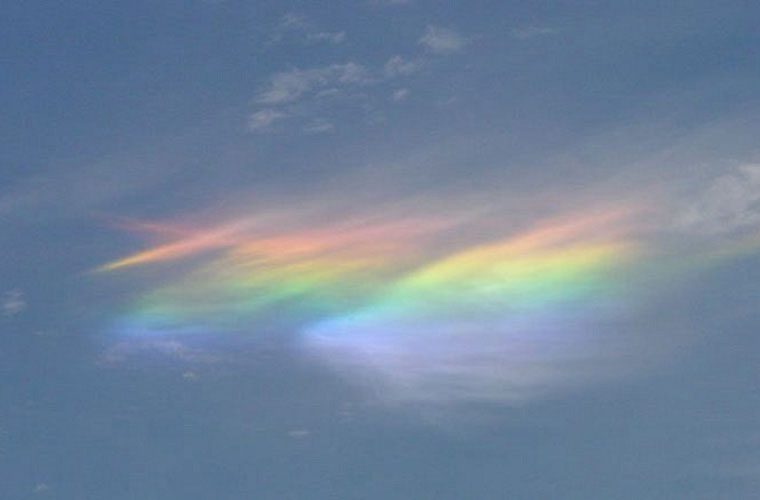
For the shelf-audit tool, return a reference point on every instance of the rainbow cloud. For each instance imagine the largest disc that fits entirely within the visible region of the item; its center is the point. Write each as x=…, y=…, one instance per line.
x=433, y=309
x=493, y=322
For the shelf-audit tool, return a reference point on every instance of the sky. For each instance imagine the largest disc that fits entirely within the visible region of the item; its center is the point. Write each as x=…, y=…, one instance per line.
x=378, y=249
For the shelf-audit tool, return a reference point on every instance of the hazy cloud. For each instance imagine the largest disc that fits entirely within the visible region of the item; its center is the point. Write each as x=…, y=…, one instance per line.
x=13, y=303
x=40, y=488
x=527, y=32
x=399, y=66
x=159, y=347
x=334, y=37
x=731, y=203
x=442, y=40
x=262, y=120
x=299, y=433
x=319, y=126
x=400, y=95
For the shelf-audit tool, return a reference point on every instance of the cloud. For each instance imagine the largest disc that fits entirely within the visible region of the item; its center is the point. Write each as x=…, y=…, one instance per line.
x=319, y=126
x=299, y=433
x=299, y=26
x=730, y=204
x=468, y=307
x=333, y=37
x=399, y=66
x=442, y=40
x=159, y=347
x=289, y=86
x=293, y=20
x=527, y=32
x=307, y=92
x=13, y=303
x=262, y=120
x=400, y=95
x=300, y=92
x=41, y=488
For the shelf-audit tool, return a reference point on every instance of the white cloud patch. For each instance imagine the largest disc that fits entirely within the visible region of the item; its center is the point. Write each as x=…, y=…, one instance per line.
x=13, y=303
x=730, y=204
x=442, y=40
x=262, y=120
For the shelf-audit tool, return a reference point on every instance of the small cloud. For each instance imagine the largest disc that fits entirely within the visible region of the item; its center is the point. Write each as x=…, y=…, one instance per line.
x=290, y=22
x=351, y=73
x=399, y=66
x=527, y=32
x=290, y=86
x=168, y=348
x=319, y=126
x=442, y=40
x=262, y=120
x=332, y=92
x=333, y=37
x=190, y=376
x=41, y=488
x=400, y=95
x=293, y=20
x=13, y=303
x=299, y=26
x=299, y=433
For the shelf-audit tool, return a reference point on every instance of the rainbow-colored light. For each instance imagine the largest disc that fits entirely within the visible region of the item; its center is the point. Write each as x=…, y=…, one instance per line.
x=435, y=312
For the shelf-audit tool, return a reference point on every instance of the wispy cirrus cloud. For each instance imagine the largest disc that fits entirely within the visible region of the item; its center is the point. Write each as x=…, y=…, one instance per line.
x=302, y=29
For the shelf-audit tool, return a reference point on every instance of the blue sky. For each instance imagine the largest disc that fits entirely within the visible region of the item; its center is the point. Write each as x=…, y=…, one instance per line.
x=379, y=249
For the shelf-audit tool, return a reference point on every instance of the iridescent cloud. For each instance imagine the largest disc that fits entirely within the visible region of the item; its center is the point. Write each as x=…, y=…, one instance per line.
x=432, y=308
